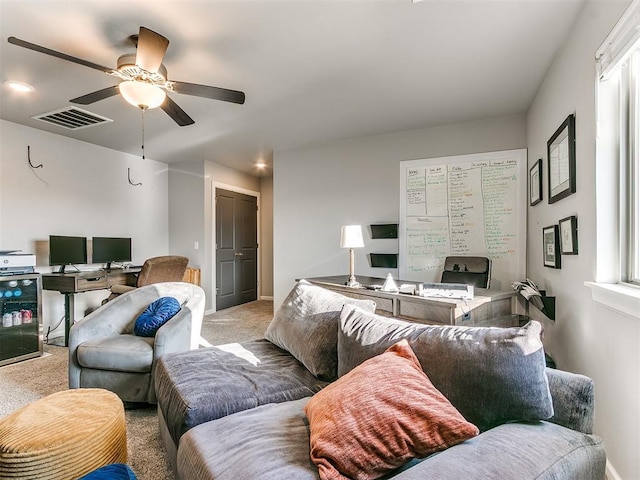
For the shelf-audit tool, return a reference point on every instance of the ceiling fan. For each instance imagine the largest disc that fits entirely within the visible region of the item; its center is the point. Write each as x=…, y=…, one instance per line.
x=143, y=77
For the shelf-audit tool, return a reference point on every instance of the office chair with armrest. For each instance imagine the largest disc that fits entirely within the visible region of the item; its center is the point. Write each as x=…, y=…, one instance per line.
x=167, y=268
x=474, y=271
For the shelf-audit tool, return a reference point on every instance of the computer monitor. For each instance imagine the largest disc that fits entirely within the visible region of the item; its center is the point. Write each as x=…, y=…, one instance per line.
x=111, y=249
x=64, y=250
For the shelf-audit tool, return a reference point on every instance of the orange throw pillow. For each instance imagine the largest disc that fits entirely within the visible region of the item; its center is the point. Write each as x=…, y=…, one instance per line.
x=380, y=415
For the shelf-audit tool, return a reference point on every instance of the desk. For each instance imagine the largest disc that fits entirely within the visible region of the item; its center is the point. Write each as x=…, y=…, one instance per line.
x=488, y=308
x=70, y=283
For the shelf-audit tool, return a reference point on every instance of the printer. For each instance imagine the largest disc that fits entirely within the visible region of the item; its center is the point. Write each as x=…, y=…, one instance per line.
x=15, y=263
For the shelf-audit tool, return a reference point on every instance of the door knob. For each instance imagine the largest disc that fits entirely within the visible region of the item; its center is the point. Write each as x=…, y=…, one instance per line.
x=239, y=254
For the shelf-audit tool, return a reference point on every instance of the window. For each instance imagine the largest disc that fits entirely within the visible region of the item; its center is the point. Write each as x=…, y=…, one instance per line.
x=618, y=152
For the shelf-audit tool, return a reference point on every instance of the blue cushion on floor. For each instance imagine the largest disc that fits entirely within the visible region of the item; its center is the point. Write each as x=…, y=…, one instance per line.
x=155, y=315
x=115, y=471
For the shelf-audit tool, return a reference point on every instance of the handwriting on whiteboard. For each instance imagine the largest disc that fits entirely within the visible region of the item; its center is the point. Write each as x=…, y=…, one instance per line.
x=460, y=209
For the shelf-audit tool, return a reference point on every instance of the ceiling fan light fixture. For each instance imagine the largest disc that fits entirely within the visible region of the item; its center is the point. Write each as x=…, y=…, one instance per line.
x=142, y=94
x=18, y=86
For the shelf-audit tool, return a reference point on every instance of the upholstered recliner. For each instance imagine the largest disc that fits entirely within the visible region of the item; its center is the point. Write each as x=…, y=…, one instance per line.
x=166, y=268
x=105, y=353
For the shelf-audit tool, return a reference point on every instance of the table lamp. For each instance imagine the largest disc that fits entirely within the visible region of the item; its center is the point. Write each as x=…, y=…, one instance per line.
x=351, y=237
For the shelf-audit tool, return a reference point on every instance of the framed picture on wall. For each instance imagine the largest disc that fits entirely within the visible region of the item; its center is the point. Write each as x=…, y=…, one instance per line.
x=561, y=158
x=569, y=235
x=551, y=246
x=535, y=183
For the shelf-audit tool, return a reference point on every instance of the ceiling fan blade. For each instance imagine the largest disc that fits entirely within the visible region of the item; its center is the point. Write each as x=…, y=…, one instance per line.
x=151, y=49
x=53, y=53
x=206, y=91
x=96, y=96
x=176, y=113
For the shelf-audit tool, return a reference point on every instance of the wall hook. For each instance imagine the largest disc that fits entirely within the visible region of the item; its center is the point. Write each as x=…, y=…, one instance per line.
x=129, y=177
x=29, y=158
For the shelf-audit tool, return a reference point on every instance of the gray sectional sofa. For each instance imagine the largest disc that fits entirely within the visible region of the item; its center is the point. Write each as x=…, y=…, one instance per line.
x=237, y=411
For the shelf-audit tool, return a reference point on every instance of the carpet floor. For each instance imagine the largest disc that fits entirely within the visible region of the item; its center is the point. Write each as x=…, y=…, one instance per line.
x=24, y=382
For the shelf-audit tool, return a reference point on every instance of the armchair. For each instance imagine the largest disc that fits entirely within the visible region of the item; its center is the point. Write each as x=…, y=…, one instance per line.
x=167, y=268
x=105, y=353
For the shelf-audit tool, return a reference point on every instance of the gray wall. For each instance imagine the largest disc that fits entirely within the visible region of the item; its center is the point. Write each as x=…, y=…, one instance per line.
x=266, y=237
x=81, y=190
x=585, y=337
x=318, y=189
x=186, y=211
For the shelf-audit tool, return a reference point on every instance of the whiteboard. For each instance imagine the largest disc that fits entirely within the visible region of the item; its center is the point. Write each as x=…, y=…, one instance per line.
x=469, y=205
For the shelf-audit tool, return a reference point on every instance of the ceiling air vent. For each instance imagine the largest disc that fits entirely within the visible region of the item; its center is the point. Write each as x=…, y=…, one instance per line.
x=72, y=118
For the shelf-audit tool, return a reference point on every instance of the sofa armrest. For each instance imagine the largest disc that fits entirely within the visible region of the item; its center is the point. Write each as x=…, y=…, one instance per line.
x=573, y=400
x=175, y=335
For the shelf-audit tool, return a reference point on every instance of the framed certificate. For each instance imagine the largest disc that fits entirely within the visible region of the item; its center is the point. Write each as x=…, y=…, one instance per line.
x=535, y=183
x=551, y=246
x=569, y=235
x=561, y=157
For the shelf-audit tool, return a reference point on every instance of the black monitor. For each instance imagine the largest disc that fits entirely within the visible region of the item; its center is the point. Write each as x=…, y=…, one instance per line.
x=65, y=250
x=111, y=249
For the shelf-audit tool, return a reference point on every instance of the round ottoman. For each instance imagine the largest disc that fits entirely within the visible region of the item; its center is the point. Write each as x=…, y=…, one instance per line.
x=64, y=435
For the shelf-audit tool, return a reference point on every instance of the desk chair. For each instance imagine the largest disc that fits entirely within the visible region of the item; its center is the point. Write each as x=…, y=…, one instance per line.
x=474, y=271
x=168, y=268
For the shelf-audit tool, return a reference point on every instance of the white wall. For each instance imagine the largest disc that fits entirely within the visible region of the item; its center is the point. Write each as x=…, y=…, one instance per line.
x=318, y=189
x=81, y=190
x=585, y=337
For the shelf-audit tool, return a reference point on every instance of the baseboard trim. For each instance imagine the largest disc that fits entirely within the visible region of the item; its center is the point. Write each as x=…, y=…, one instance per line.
x=266, y=297
x=210, y=311
x=611, y=473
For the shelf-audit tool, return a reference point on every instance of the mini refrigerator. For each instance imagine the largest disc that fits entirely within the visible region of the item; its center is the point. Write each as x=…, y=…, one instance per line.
x=21, y=313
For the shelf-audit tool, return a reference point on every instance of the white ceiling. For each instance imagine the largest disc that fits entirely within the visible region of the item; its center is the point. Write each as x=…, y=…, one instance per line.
x=312, y=71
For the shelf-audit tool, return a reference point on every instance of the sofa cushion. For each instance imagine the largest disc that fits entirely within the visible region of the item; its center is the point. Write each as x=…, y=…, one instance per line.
x=201, y=385
x=306, y=325
x=271, y=442
x=517, y=451
x=491, y=375
x=158, y=313
x=121, y=353
x=380, y=415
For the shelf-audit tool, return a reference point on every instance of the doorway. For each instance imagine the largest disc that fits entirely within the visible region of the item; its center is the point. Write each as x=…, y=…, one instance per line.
x=236, y=249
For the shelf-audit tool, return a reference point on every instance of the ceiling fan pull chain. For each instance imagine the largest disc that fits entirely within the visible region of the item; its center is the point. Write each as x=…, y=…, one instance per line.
x=142, y=133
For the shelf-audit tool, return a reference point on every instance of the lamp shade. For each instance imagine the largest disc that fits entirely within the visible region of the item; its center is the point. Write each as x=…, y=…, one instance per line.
x=142, y=94
x=351, y=236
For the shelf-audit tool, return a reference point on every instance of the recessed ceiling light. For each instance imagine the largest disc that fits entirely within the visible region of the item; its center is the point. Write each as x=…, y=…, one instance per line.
x=19, y=86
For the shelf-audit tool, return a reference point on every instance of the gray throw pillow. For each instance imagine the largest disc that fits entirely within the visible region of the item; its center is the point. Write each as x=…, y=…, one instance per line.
x=306, y=325
x=491, y=375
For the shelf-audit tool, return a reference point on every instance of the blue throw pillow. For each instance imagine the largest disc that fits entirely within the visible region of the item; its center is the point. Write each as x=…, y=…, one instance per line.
x=155, y=315
x=114, y=471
